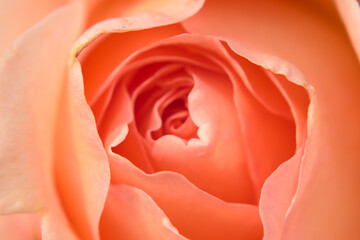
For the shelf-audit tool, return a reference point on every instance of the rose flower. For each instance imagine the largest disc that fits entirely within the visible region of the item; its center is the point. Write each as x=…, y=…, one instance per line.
x=179, y=120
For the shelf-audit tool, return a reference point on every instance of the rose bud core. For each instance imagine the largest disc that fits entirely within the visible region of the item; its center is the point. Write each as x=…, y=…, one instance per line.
x=212, y=121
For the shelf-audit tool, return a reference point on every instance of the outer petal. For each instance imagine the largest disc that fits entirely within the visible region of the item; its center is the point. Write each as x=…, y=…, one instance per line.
x=30, y=93
x=350, y=13
x=81, y=167
x=174, y=9
x=79, y=113
x=17, y=16
x=20, y=226
x=326, y=203
x=144, y=14
x=127, y=18
x=106, y=52
x=127, y=207
x=277, y=194
x=196, y=214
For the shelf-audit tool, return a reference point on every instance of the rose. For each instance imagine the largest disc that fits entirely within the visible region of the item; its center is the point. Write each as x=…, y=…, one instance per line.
x=47, y=203
x=166, y=76
x=78, y=153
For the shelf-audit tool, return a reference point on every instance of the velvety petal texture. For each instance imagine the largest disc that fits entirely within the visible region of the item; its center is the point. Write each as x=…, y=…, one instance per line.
x=127, y=207
x=179, y=119
x=29, y=118
x=142, y=14
x=326, y=202
x=81, y=166
x=106, y=52
x=350, y=14
x=173, y=10
x=20, y=226
x=15, y=17
x=196, y=214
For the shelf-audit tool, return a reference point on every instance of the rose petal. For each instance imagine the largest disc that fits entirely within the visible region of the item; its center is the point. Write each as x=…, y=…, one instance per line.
x=103, y=55
x=81, y=166
x=20, y=226
x=140, y=17
x=131, y=214
x=298, y=100
x=326, y=203
x=261, y=86
x=350, y=13
x=100, y=60
x=277, y=194
x=30, y=93
x=176, y=10
x=17, y=16
x=223, y=154
x=196, y=214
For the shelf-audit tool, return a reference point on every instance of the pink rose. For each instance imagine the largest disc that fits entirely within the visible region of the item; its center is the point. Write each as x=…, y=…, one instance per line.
x=179, y=119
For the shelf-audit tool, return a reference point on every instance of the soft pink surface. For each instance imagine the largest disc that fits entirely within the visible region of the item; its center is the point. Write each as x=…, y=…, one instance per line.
x=127, y=207
x=20, y=226
x=326, y=203
x=61, y=170
x=350, y=13
x=31, y=89
x=196, y=214
x=81, y=166
x=171, y=9
x=101, y=57
x=18, y=16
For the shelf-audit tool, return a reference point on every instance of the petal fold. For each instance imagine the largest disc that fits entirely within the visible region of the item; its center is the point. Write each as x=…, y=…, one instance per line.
x=350, y=14
x=20, y=226
x=18, y=16
x=131, y=214
x=174, y=10
x=196, y=214
x=31, y=91
x=326, y=201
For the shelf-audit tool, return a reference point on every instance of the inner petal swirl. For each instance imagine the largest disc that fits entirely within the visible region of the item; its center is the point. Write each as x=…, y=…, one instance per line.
x=196, y=108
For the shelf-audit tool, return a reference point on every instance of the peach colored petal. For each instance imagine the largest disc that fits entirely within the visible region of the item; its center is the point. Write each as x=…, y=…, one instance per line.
x=133, y=148
x=281, y=186
x=103, y=55
x=176, y=10
x=131, y=214
x=262, y=88
x=267, y=143
x=81, y=167
x=144, y=14
x=18, y=16
x=31, y=87
x=196, y=214
x=277, y=194
x=326, y=203
x=223, y=151
x=20, y=226
x=350, y=14
x=298, y=99
x=327, y=8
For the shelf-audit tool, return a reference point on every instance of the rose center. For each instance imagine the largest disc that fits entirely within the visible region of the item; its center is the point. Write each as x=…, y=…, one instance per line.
x=161, y=101
x=176, y=120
